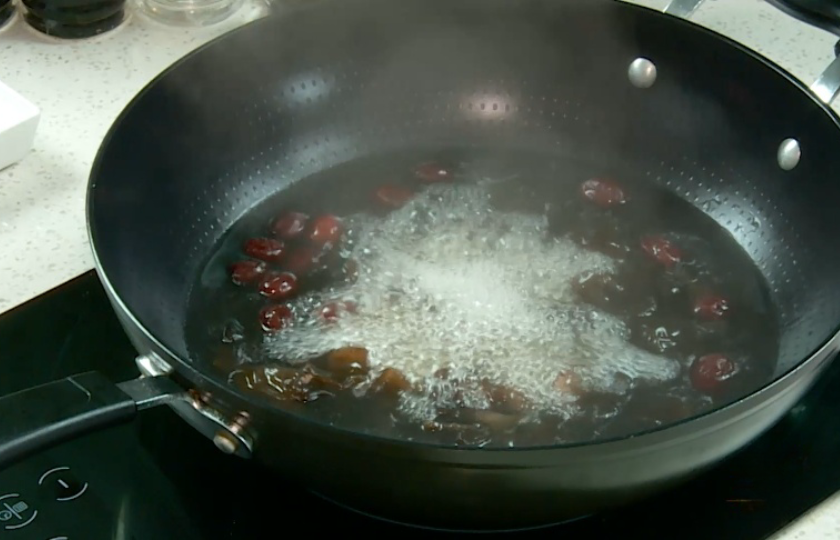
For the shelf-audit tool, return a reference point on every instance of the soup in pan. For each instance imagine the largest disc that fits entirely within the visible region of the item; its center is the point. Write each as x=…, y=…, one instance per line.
x=484, y=302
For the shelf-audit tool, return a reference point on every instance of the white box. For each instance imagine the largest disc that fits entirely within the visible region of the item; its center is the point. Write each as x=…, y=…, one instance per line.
x=18, y=122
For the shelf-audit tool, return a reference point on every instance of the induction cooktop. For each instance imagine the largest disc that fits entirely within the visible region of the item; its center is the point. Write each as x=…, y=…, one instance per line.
x=157, y=479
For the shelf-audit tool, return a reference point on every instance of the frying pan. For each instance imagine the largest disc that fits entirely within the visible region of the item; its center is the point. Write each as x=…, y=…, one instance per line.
x=285, y=97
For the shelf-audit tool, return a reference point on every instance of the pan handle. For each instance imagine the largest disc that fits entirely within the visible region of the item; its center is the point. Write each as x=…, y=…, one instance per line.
x=44, y=416
x=824, y=14
x=818, y=13
x=827, y=85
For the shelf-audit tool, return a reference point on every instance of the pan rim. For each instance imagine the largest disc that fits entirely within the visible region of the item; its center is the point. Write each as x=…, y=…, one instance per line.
x=647, y=439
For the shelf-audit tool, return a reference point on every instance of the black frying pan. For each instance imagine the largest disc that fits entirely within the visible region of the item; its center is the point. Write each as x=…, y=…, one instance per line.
x=222, y=130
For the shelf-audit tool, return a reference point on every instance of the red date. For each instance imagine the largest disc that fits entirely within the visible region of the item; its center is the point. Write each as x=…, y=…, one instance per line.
x=348, y=361
x=662, y=334
x=266, y=249
x=503, y=399
x=661, y=250
x=275, y=317
x=279, y=286
x=711, y=307
x=303, y=260
x=393, y=196
x=331, y=311
x=390, y=382
x=350, y=270
x=603, y=192
x=708, y=373
x=431, y=173
x=568, y=382
x=290, y=225
x=325, y=230
x=247, y=272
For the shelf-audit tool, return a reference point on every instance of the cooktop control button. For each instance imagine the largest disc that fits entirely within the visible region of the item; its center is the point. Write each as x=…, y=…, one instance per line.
x=15, y=513
x=65, y=487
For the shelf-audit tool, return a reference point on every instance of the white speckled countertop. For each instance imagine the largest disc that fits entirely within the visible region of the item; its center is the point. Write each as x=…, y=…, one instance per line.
x=82, y=86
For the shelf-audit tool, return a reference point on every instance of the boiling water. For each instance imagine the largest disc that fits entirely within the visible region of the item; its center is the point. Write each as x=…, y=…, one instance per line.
x=467, y=285
x=447, y=282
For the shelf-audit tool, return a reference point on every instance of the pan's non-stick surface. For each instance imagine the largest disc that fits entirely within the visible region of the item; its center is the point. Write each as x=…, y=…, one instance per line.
x=279, y=100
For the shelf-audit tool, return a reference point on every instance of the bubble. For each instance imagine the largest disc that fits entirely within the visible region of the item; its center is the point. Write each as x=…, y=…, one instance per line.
x=233, y=331
x=479, y=292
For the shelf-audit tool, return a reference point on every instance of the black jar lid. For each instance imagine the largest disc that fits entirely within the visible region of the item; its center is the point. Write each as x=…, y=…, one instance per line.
x=74, y=19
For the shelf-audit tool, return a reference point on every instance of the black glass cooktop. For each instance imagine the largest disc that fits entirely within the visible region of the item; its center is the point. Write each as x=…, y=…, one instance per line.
x=157, y=479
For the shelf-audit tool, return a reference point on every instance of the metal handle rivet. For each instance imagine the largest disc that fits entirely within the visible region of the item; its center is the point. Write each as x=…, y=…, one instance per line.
x=225, y=442
x=789, y=154
x=642, y=73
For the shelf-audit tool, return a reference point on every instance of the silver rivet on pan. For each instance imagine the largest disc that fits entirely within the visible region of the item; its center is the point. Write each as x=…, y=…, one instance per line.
x=642, y=73
x=152, y=365
x=225, y=442
x=789, y=154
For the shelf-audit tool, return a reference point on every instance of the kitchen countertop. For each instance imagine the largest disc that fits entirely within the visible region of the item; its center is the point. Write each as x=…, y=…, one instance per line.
x=81, y=86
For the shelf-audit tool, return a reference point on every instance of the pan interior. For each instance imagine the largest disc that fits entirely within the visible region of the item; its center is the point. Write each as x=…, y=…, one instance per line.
x=493, y=272
x=280, y=100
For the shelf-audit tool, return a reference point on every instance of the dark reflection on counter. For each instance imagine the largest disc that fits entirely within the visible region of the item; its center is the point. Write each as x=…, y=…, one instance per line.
x=7, y=9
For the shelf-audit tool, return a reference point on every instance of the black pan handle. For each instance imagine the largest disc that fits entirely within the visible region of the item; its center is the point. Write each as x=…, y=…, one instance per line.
x=43, y=416
x=824, y=14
